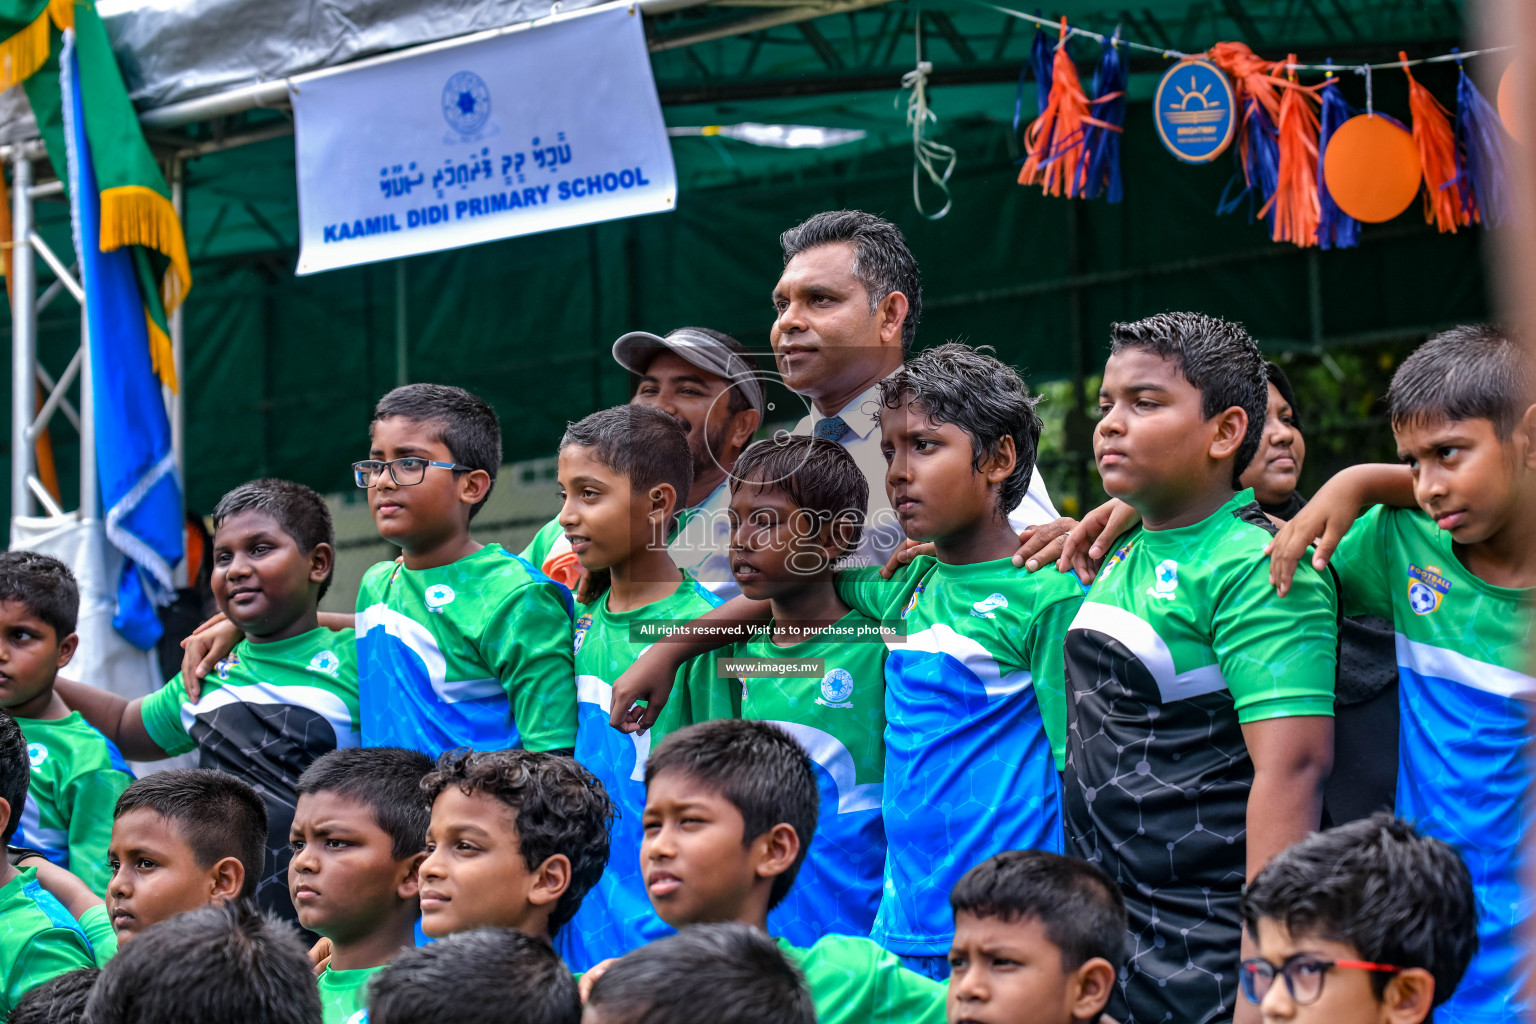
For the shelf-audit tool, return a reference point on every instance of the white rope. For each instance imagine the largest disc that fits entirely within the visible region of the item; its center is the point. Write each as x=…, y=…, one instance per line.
x=926, y=154
x=1035, y=19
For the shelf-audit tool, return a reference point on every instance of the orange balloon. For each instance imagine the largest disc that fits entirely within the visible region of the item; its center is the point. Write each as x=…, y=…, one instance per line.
x=1509, y=105
x=1372, y=168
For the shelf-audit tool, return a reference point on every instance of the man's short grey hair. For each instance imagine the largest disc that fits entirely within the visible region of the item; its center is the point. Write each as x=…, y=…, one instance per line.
x=881, y=260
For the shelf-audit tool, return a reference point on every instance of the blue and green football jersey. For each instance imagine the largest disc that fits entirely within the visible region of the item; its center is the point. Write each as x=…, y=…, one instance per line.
x=475, y=653
x=616, y=916
x=839, y=718
x=973, y=710
x=38, y=939
x=1464, y=751
x=77, y=776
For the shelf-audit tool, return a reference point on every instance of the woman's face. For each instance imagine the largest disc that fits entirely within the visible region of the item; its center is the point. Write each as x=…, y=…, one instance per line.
x=1276, y=468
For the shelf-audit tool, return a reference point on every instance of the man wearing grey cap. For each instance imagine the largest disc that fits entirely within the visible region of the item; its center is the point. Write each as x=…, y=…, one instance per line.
x=702, y=379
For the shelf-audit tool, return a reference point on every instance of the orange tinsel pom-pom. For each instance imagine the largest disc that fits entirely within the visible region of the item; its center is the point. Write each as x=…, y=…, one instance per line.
x=1297, y=209
x=1054, y=139
x=1433, y=135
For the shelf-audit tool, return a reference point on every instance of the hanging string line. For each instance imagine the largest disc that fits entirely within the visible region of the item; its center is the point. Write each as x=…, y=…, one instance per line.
x=1171, y=54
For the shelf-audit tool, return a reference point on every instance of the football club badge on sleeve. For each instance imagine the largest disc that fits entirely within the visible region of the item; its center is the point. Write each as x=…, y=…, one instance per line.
x=582, y=625
x=1426, y=588
x=912, y=601
x=836, y=688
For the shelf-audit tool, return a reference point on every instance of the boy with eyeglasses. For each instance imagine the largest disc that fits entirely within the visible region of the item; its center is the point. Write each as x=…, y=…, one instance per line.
x=1367, y=923
x=459, y=643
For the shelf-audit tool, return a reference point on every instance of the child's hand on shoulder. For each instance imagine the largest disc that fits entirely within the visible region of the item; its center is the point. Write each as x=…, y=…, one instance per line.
x=590, y=978
x=209, y=644
x=1084, y=548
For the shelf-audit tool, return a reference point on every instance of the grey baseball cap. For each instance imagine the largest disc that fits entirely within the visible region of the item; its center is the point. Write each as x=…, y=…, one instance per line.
x=636, y=349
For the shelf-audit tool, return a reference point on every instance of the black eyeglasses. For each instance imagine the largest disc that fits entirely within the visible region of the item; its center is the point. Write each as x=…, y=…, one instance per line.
x=406, y=472
x=1303, y=975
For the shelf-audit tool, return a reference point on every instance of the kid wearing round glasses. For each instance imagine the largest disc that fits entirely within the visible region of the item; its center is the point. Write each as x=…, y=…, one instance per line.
x=1367, y=923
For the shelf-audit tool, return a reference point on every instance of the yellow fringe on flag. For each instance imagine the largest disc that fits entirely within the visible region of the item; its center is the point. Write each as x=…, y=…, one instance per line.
x=161, y=356
x=26, y=51
x=136, y=215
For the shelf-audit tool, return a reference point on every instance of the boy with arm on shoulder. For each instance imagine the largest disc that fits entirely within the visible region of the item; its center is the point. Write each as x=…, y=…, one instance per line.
x=1367, y=923
x=797, y=507
x=731, y=809
x=517, y=839
x=974, y=692
x=1456, y=576
x=77, y=773
x=357, y=836
x=183, y=839
x=462, y=644
x=621, y=473
x=287, y=692
x=1039, y=939
x=1199, y=704
x=38, y=939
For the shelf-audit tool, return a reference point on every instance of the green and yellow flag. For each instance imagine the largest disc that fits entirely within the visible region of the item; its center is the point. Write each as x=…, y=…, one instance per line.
x=136, y=205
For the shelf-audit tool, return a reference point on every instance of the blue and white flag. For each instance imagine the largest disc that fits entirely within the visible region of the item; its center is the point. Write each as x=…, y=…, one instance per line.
x=135, y=465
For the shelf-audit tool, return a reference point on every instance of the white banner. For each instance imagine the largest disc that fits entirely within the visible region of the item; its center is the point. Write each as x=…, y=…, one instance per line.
x=501, y=134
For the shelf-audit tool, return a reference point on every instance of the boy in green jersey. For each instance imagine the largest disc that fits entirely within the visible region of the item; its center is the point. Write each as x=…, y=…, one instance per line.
x=1367, y=923
x=284, y=695
x=973, y=694
x=77, y=773
x=621, y=473
x=214, y=965
x=797, y=507
x=1200, y=705
x=461, y=644
x=730, y=812
x=181, y=840
x=725, y=973
x=516, y=840
x=357, y=836
x=1039, y=939
x=38, y=939
x=485, y=976
x=1456, y=576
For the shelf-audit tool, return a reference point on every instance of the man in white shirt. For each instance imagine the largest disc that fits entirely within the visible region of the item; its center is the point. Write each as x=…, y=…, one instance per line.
x=847, y=306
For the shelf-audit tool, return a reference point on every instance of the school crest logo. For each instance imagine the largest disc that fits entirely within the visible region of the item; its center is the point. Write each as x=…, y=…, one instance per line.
x=326, y=663
x=438, y=595
x=222, y=668
x=1426, y=588
x=912, y=601
x=582, y=625
x=37, y=753
x=836, y=688
x=466, y=102
x=989, y=606
x=1165, y=581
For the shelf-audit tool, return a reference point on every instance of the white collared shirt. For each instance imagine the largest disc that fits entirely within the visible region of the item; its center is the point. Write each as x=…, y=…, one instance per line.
x=882, y=530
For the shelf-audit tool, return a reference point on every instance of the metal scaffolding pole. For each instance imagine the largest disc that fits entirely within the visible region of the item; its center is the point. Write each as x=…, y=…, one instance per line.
x=23, y=337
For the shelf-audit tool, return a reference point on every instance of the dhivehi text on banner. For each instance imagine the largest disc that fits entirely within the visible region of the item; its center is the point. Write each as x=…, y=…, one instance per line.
x=498, y=135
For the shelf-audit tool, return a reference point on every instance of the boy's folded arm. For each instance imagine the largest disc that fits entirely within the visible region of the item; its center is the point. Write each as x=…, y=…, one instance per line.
x=650, y=678
x=1327, y=517
x=117, y=718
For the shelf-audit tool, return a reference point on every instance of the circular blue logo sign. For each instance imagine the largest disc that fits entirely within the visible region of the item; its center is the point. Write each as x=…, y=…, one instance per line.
x=836, y=686
x=1195, y=111
x=466, y=102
